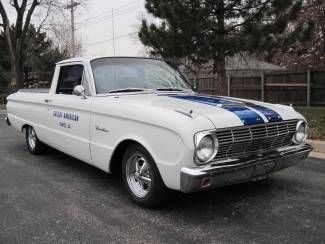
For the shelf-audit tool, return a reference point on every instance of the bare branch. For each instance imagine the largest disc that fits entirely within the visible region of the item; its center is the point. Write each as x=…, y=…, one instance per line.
x=16, y=5
x=48, y=12
x=29, y=16
x=4, y=16
x=20, y=17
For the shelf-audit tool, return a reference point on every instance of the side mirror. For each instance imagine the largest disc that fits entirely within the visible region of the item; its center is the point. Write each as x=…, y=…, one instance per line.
x=79, y=91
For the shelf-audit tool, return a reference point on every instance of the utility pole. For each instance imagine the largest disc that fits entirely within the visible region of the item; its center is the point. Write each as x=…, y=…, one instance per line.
x=113, y=31
x=72, y=6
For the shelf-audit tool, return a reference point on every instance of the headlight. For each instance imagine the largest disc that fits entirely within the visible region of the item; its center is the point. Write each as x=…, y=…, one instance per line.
x=301, y=132
x=206, y=147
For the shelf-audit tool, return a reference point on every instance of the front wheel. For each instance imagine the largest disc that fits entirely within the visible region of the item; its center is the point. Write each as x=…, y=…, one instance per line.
x=34, y=145
x=141, y=177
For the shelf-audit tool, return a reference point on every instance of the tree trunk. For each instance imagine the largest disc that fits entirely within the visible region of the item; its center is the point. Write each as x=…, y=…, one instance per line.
x=13, y=79
x=16, y=40
x=20, y=74
x=219, y=63
x=17, y=75
x=219, y=68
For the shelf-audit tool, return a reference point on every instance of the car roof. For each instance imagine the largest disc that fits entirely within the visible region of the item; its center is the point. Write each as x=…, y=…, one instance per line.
x=89, y=59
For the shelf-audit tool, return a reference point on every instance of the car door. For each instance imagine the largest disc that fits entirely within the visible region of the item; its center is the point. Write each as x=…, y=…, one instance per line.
x=70, y=114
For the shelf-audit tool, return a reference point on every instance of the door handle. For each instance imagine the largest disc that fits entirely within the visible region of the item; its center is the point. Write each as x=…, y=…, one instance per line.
x=47, y=100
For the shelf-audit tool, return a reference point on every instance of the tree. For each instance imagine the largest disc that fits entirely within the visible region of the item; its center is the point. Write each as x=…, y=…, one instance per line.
x=309, y=54
x=201, y=31
x=4, y=63
x=15, y=35
x=60, y=33
x=39, y=56
x=16, y=39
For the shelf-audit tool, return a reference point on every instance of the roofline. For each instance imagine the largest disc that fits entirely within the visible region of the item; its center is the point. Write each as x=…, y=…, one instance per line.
x=89, y=59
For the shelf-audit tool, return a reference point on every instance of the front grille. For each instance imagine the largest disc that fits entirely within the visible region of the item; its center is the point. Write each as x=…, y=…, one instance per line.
x=244, y=141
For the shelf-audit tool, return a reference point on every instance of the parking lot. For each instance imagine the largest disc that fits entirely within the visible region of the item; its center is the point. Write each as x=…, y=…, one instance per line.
x=56, y=198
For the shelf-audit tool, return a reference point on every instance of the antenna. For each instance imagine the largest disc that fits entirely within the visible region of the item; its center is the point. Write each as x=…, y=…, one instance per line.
x=113, y=31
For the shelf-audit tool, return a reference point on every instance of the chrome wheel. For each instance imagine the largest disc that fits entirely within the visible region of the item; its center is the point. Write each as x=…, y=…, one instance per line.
x=32, y=137
x=138, y=175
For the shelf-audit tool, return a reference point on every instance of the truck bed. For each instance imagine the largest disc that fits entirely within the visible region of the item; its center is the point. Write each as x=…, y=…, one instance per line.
x=35, y=90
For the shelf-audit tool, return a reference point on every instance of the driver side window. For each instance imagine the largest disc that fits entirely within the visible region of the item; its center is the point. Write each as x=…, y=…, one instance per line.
x=69, y=77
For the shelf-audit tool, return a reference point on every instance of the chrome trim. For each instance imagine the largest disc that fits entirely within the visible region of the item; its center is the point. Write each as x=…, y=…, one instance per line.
x=233, y=171
x=244, y=141
x=300, y=122
x=101, y=129
x=79, y=91
x=188, y=114
x=197, y=139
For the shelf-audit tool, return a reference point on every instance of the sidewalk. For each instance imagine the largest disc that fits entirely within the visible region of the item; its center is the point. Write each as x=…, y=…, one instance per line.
x=319, y=149
x=317, y=155
x=319, y=146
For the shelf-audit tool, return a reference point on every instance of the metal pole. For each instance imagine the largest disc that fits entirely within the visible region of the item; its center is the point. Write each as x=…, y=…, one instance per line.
x=72, y=6
x=113, y=31
x=72, y=30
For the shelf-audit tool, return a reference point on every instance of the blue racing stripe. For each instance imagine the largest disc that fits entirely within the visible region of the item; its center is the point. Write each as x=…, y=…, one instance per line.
x=246, y=115
x=270, y=114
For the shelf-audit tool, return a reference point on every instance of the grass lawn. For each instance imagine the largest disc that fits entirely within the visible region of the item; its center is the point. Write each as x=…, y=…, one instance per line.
x=2, y=106
x=316, y=119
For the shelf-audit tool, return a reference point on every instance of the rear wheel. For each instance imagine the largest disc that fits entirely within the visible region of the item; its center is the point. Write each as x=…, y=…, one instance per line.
x=141, y=177
x=34, y=145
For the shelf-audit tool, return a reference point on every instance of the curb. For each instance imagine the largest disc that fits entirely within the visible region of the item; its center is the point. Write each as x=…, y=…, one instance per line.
x=317, y=155
x=319, y=146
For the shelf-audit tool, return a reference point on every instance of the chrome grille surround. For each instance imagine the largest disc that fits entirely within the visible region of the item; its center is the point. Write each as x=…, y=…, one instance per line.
x=246, y=141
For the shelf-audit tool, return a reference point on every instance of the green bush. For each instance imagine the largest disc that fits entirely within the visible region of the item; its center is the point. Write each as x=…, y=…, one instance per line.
x=316, y=119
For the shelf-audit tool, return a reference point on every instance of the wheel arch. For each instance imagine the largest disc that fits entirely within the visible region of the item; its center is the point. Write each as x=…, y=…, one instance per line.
x=115, y=162
x=24, y=127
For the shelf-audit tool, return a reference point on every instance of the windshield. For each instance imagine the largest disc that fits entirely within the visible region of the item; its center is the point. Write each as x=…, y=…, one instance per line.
x=122, y=73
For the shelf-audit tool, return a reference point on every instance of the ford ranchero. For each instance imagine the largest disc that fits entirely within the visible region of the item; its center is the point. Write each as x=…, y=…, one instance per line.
x=141, y=118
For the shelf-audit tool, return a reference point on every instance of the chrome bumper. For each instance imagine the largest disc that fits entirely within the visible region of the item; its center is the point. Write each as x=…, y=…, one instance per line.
x=233, y=171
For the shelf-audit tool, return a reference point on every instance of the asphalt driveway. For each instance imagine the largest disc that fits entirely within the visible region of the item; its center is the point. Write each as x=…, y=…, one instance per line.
x=56, y=198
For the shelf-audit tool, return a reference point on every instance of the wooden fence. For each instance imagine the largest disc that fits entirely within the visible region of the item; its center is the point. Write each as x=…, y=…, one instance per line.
x=306, y=87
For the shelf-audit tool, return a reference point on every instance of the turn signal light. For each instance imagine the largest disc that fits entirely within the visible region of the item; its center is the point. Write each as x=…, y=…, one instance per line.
x=206, y=182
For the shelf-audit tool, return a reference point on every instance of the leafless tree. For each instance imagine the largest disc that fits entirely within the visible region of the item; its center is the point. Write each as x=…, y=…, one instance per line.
x=312, y=53
x=15, y=40
x=46, y=15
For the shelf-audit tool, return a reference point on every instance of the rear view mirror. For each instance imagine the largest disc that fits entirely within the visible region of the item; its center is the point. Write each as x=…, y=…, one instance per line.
x=79, y=91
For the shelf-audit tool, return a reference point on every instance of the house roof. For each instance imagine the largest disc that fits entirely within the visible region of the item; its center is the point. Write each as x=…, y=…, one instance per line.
x=238, y=62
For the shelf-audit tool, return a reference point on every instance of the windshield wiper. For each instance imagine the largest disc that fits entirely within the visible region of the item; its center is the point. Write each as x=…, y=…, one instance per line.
x=129, y=89
x=169, y=89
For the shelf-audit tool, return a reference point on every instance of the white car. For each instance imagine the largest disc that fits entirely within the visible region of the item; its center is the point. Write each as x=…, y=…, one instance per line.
x=141, y=118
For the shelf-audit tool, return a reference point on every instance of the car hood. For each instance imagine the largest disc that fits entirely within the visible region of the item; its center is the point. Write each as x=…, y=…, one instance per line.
x=221, y=111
